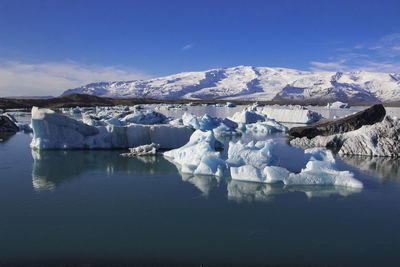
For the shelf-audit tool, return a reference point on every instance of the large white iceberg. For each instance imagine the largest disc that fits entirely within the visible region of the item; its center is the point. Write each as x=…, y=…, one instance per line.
x=320, y=170
x=290, y=115
x=257, y=162
x=55, y=131
x=198, y=156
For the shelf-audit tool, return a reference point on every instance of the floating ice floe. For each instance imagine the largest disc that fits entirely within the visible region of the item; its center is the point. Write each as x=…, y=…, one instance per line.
x=55, y=131
x=320, y=170
x=144, y=150
x=379, y=139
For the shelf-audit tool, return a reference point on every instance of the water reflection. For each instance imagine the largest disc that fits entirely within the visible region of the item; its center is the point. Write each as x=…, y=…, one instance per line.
x=383, y=167
x=240, y=191
x=54, y=167
x=202, y=182
x=5, y=136
x=252, y=192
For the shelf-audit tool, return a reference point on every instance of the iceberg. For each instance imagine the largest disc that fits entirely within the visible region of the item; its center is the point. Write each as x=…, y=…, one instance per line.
x=144, y=117
x=320, y=170
x=204, y=123
x=198, y=156
x=380, y=139
x=56, y=131
x=247, y=117
x=294, y=115
x=257, y=163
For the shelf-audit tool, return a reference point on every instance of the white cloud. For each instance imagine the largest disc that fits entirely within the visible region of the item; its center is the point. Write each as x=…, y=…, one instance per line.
x=382, y=55
x=187, y=47
x=52, y=78
x=328, y=66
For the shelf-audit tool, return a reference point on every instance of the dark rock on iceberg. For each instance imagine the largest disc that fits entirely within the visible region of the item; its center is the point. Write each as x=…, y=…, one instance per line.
x=7, y=125
x=371, y=115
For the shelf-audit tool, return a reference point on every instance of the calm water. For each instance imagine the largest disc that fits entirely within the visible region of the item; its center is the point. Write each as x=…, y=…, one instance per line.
x=95, y=206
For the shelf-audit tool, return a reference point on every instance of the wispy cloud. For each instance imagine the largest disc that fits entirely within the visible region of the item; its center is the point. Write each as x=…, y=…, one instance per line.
x=52, y=78
x=380, y=56
x=329, y=66
x=187, y=47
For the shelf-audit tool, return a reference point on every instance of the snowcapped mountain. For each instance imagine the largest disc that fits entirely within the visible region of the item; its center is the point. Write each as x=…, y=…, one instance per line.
x=256, y=83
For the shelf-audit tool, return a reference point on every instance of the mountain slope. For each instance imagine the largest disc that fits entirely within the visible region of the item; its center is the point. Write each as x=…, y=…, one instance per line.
x=256, y=83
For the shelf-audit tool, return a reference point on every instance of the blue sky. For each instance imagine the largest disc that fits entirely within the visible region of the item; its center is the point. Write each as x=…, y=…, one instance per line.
x=49, y=46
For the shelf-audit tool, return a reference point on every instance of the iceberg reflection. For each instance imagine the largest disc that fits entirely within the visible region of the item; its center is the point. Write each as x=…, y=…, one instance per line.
x=242, y=191
x=54, y=167
x=384, y=168
x=202, y=182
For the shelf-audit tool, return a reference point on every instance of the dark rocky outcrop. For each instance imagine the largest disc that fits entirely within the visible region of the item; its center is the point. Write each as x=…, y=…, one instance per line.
x=350, y=123
x=7, y=125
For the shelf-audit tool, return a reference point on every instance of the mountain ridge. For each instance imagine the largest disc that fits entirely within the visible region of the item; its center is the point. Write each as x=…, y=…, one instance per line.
x=256, y=83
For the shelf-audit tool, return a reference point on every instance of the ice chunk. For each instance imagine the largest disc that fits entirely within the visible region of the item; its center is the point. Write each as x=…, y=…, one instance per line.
x=230, y=105
x=25, y=127
x=247, y=117
x=259, y=154
x=198, y=156
x=144, y=150
x=291, y=115
x=75, y=111
x=204, y=123
x=263, y=128
x=320, y=170
x=145, y=117
x=225, y=131
x=255, y=163
x=230, y=123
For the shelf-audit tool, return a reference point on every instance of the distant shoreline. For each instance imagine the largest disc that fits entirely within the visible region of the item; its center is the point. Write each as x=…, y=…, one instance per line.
x=82, y=100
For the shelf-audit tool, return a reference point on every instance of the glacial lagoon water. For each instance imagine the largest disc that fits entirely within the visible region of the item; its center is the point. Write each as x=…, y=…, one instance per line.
x=95, y=206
